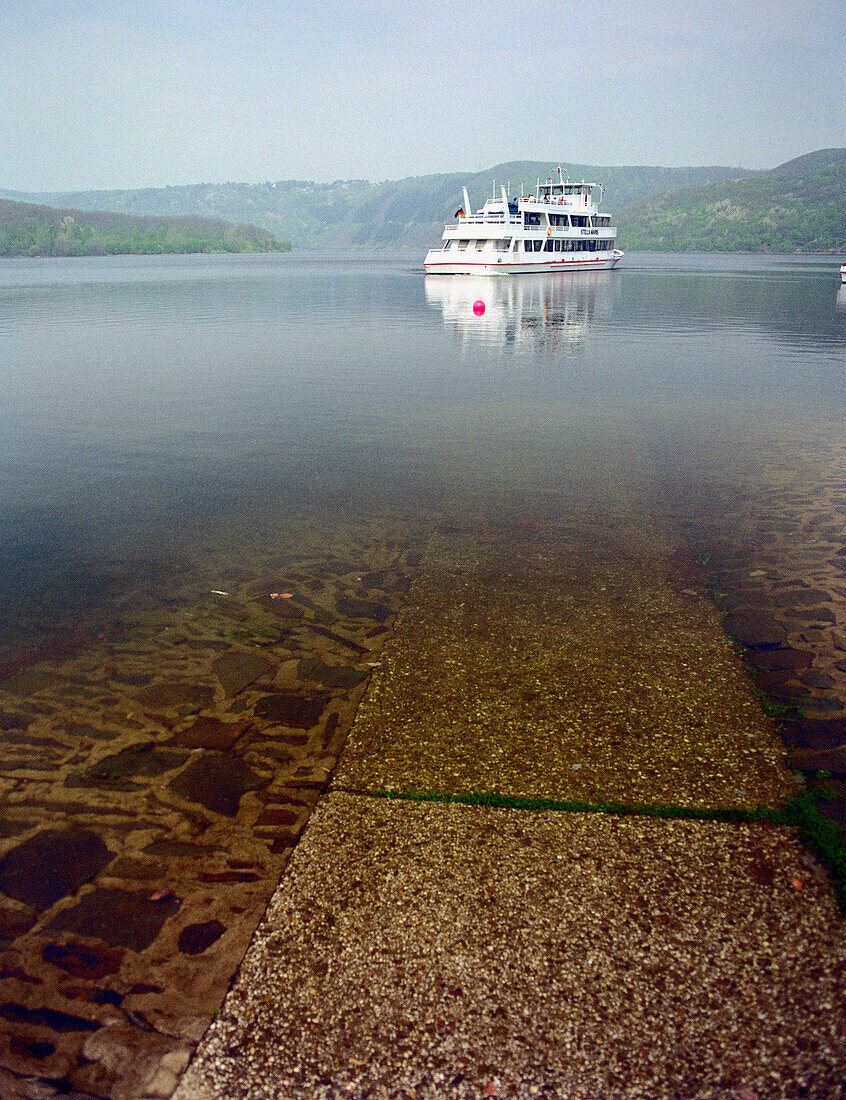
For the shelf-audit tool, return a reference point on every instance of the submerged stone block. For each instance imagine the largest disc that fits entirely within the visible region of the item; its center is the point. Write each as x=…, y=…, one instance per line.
x=816, y=733
x=46, y=1017
x=237, y=671
x=363, y=609
x=122, y=918
x=290, y=709
x=83, y=960
x=141, y=760
x=210, y=733
x=781, y=659
x=194, y=939
x=218, y=782
x=51, y=865
x=331, y=676
x=756, y=629
x=176, y=693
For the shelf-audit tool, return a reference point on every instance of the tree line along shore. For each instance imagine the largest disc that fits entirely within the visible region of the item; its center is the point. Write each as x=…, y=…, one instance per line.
x=27, y=229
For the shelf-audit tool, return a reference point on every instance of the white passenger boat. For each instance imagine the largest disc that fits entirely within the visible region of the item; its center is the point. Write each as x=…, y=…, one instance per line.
x=558, y=228
x=843, y=273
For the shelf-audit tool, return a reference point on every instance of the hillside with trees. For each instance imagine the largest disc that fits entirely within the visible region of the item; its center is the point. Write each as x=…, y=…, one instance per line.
x=356, y=213
x=33, y=230
x=798, y=207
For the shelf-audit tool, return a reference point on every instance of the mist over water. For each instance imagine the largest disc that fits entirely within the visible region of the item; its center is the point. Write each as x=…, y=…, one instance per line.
x=157, y=411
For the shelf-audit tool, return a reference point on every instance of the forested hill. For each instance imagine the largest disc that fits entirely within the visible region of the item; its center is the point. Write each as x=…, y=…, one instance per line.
x=799, y=206
x=33, y=230
x=408, y=212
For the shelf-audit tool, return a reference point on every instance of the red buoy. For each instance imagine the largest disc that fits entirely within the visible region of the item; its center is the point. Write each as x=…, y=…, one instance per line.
x=478, y=307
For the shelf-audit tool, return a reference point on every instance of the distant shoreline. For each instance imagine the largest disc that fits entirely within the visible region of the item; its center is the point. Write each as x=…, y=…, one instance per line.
x=174, y=252
x=28, y=230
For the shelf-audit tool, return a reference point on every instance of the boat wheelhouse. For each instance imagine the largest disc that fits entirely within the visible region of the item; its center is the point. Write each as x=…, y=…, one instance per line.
x=558, y=228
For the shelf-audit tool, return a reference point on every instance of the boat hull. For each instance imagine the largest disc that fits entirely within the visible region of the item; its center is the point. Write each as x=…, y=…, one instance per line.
x=437, y=264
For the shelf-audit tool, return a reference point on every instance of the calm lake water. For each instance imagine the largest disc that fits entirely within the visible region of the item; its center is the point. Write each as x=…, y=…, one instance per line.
x=158, y=413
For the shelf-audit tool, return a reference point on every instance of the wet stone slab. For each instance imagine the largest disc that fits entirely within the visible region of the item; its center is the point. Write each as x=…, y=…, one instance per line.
x=302, y=711
x=237, y=670
x=52, y=864
x=217, y=781
x=121, y=918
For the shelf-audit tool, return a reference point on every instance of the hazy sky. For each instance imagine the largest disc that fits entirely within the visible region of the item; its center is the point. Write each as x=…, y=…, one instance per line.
x=135, y=93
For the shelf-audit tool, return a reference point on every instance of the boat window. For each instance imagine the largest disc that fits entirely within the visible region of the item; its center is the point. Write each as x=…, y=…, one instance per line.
x=548, y=246
x=447, y=246
x=531, y=219
x=480, y=245
x=462, y=245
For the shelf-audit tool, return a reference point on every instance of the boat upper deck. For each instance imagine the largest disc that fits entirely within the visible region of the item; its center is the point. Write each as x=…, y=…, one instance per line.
x=560, y=197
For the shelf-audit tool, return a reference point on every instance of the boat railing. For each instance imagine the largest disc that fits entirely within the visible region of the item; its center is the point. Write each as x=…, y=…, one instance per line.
x=485, y=219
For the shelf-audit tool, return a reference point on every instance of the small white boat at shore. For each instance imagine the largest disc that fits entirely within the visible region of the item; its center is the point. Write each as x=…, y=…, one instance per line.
x=843, y=273
x=558, y=228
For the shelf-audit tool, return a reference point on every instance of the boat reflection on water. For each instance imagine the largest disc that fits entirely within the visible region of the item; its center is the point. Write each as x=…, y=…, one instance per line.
x=549, y=311
x=841, y=297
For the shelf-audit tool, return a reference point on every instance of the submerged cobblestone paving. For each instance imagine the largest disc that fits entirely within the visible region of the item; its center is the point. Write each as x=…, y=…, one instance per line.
x=153, y=786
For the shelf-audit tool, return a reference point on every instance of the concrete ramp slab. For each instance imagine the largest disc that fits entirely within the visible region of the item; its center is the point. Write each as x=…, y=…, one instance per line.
x=441, y=950
x=548, y=663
